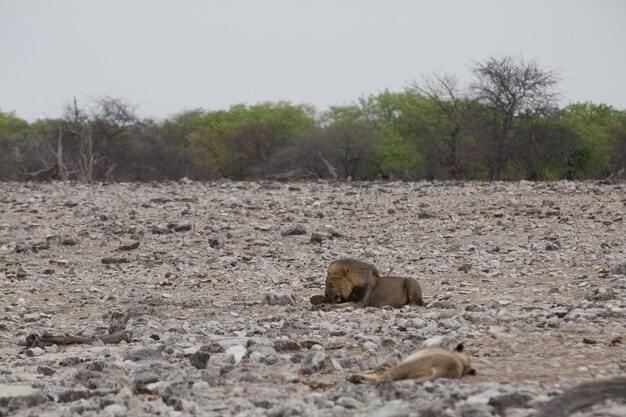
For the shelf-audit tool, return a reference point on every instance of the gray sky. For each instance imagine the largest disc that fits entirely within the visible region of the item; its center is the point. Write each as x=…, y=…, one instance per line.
x=171, y=56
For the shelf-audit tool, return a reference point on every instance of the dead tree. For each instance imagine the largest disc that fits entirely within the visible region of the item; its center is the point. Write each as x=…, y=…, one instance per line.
x=87, y=159
x=109, y=118
x=80, y=128
x=331, y=169
x=38, y=160
x=62, y=169
x=508, y=87
x=117, y=333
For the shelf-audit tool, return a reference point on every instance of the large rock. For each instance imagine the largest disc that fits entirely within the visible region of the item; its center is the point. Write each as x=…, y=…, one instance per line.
x=17, y=397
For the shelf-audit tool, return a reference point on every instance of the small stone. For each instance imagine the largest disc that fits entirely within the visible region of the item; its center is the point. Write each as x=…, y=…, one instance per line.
x=213, y=348
x=287, y=345
x=474, y=308
x=280, y=298
x=22, y=273
x=75, y=394
x=69, y=241
x=70, y=361
x=142, y=379
x=216, y=243
x=40, y=245
x=298, y=229
x=160, y=200
x=221, y=359
x=139, y=355
x=238, y=352
x=130, y=245
x=437, y=341
x=158, y=230
x=199, y=359
x=31, y=317
x=515, y=400
x=45, y=370
x=316, y=362
x=284, y=411
x=619, y=269
x=552, y=246
x=182, y=227
x=443, y=304
x=34, y=352
x=316, y=238
x=600, y=294
x=111, y=260
x=476, y=410
x=115, y=410
x=348, y=402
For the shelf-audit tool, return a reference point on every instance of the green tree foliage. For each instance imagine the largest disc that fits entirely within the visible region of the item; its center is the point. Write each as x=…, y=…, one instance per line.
x=404, y=122
x=12, y=131
x=175, y=134
x=235, y=143
x=542, y=148
x=348, y=138
x=600, y=130
x=454, y=108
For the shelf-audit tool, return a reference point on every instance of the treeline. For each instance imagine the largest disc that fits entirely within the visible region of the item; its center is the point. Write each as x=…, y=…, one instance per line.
x=504, y=125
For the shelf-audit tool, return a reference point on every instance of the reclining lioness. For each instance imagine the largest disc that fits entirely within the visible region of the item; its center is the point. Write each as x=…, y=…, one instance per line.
x=353, y=283
x=425, y=365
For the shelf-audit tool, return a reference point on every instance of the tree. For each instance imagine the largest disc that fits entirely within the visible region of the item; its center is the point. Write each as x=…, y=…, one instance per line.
x=175, y=132
x=399, y=119
x=542, y=147
x=96, y=127
x=444, y=91
x=12, y=130
x=239, y=143
x=599, y=128
x=508, y=87
x=78, y=126
x=349, y=138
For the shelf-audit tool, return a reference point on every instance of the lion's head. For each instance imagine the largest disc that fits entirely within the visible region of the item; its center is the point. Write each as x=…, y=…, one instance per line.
x=338, y=288
x=344, y=275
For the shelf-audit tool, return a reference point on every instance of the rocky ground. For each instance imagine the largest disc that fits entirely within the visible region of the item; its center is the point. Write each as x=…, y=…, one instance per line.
x=215, y=280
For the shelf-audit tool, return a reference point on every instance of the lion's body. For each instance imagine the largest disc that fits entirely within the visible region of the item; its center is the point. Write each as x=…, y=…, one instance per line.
x=425, y=365
x=353, y=283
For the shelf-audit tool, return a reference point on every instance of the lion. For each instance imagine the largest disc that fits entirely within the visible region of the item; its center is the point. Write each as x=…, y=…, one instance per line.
x=354, y=283
x=424, y=365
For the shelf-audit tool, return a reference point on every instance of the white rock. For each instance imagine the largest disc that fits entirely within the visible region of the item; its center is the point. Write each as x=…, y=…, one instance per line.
x=238, y=352
x=115, y=410
x=437, y=341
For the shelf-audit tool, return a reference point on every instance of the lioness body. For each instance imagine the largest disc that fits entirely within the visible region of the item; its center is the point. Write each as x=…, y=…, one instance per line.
x=425, y=365
x=353, y=283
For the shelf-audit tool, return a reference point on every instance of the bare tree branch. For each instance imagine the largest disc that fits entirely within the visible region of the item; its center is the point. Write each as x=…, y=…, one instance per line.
x=331, y=169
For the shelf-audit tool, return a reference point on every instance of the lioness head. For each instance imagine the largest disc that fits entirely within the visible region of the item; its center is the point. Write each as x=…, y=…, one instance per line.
x=467, y=367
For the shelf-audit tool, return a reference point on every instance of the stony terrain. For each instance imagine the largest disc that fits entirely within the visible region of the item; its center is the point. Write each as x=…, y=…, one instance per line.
x=215, y=280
